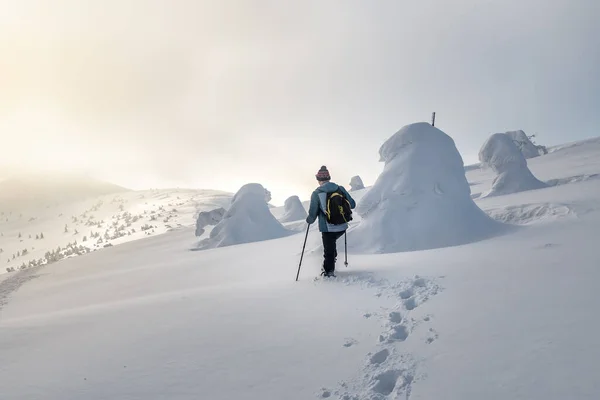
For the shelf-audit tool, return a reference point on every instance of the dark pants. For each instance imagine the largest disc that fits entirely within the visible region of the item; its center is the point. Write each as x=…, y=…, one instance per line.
x=330, y=250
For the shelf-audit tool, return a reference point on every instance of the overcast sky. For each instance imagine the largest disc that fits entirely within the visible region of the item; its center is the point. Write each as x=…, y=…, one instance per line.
x=215, y=94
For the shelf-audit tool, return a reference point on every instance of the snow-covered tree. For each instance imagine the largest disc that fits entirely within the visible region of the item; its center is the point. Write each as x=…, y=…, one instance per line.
x=422, y=199
x=206, y=218
x=247, y=220
x=356, y=183
x=293, y=210
x=501, y=154
x=525, y=143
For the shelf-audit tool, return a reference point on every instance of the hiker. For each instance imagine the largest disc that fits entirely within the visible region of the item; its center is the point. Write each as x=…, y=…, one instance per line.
x=333, y=206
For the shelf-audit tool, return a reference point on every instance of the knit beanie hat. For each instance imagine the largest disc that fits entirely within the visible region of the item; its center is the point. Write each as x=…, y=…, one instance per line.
x=323, y=174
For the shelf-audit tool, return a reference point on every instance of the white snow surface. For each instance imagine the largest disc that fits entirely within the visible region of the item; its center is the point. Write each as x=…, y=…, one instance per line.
x=422, y=198
x=523, y=143
x=510, y=317
x=247, y=220
x=293, y=210
x=502, y=155
x=356, y=183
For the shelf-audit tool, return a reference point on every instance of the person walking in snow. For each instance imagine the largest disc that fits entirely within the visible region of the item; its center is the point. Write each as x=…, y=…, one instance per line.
x=332, y=205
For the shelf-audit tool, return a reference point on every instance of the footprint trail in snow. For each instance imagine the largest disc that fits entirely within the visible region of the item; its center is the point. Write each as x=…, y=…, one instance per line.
x=388, y=372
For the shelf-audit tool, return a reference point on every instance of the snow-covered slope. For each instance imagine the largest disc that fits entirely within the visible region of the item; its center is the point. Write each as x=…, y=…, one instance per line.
x=510, y=317
x=46, y=234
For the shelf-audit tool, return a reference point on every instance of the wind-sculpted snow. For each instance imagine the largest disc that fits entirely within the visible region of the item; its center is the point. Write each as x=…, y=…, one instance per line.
x=422, y=199
x=356, y=183
x=206, y=218
x=293, y=210
x=502, y=155
x=523, y=143
x=247, y=220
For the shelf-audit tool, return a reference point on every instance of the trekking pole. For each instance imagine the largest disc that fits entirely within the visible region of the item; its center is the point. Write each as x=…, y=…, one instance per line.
x=346, y=248
x=302, y=255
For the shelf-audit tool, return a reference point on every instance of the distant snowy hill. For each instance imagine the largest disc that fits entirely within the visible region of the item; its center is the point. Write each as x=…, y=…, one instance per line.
x=24, y=191
x=46, y=234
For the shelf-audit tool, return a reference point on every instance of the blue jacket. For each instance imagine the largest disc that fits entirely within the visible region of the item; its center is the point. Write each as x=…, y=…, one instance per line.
x=317, y=207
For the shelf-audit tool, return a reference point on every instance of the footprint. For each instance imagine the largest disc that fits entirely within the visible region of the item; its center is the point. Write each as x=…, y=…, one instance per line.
x=405, y=294
x=326, y=393
x=399, y=333
x=367, y=315
x=420, y=282
x=410, y=304
x=433, y=336
x=380, y=356
x=386, y=382
x=350, y=342
x=395, y=317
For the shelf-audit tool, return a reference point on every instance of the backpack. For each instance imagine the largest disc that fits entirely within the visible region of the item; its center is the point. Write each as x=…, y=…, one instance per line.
x=337, y=209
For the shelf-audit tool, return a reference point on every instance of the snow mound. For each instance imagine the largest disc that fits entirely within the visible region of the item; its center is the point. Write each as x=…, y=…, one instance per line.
x=526, y=214
x=247, y=220
x=206, y=218
x=293, y=210
x=356, y=183
x=528, y=149
x=502, y=155
x=422, y=199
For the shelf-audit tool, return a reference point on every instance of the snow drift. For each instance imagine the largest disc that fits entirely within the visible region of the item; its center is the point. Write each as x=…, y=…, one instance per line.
x=207, y=218
x=247, y=220
x=501, y=154
x=523, y=143
x=422, y=199
x=293, y=210
x=356, y=183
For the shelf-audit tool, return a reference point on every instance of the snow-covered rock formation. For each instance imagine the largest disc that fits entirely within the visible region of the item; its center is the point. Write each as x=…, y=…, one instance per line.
x=207, y=218
x=247, y=220
x=356, y=183
x=501, y=154
x=293, y=210
x=421, y=200
x=523, y=143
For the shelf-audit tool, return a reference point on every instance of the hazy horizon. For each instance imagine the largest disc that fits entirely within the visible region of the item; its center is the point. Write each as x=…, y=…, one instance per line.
x=210, y=94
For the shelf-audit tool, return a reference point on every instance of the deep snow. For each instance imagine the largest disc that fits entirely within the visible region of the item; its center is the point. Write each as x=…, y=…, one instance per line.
x=510, y=317
x=502, y=155
x=422, y=199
